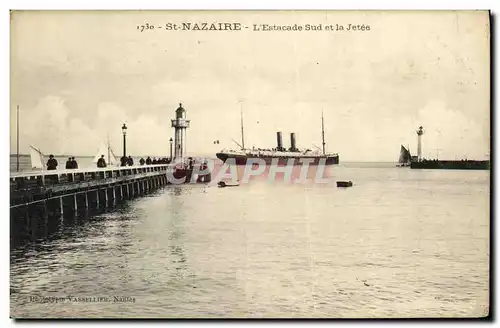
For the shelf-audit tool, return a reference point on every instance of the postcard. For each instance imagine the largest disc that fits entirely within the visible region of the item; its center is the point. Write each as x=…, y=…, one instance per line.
x=250, y=164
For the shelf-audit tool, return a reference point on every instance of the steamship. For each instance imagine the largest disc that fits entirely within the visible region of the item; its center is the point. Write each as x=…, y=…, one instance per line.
x=280, y=155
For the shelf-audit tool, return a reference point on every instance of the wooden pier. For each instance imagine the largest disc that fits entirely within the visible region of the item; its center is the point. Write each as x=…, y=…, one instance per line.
x=38, y=196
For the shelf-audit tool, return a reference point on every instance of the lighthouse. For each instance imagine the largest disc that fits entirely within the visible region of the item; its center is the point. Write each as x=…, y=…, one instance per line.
x=180, y=124
x=420, y=132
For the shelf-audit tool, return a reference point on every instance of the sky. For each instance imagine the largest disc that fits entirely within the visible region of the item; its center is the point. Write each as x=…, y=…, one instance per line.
x=78, y=76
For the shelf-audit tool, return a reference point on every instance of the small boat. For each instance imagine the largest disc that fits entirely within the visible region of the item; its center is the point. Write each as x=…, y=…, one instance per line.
x=223, y=184
x=344, y=184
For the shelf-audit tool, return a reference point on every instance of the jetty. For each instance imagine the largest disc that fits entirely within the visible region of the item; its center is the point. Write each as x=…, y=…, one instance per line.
x=436, y=164
x=418, y=162
x=103, y=183
x=37, y=196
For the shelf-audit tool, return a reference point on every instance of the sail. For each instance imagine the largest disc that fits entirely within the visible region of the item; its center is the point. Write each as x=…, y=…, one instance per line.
x=112, y=157
x=401, y=155
x=404, y=155
x=36, y=158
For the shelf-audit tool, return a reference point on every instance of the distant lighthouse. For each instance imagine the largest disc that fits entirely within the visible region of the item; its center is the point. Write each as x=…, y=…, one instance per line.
x=420, y=132
x=180, y=123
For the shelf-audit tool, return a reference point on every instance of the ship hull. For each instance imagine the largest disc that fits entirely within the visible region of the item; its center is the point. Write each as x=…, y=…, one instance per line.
x=316, y=160
x=451, y=165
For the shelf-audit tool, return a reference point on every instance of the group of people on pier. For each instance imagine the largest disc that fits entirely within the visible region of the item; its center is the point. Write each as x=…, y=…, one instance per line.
x=126, y=161
x=155, y=161
x=129, y=161
x=71, y=163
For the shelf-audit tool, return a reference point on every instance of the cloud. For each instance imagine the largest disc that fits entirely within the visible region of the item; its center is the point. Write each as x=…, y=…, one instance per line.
x=374, y=93
x=45, y=125
x=451, y=133
x=50, y=128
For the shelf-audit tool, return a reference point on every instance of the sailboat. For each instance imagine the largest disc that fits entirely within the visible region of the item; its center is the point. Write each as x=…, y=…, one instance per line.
x=404, y=157
x=280, y=153
x=37, y=158
x=106, y=150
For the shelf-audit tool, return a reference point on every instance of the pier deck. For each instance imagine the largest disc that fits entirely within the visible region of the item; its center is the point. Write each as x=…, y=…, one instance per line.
x=29, y=187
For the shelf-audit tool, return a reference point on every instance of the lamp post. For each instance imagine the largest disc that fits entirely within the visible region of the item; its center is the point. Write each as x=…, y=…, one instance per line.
x=124, y=131
x=171, y=148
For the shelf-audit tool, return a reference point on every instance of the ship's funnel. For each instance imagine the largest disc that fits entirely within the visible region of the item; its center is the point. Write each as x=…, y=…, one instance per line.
x=292, y=142
x=280, y=141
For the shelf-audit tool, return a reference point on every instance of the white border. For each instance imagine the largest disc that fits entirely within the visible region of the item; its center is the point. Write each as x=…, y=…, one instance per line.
x=256, y=4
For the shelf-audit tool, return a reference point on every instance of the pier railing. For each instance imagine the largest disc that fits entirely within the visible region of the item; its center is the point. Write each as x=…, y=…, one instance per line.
x=39, y=179
x=39, y=197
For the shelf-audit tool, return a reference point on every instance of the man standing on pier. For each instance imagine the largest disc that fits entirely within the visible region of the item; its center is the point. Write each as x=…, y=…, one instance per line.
x=124, y=161
x=51, y=163
x=69, y=164
x=101, y=162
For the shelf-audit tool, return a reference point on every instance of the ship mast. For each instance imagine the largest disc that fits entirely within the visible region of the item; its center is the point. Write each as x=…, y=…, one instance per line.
x=323, y=131
x=108, y=149
x=242, y=134
x=17, y=131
